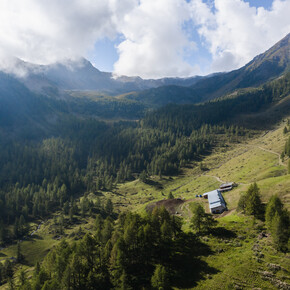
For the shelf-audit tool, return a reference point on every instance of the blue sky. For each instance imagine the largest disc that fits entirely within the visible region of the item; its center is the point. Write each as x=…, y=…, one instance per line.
x=264, y=3
x=147, y=38
x=105, y=54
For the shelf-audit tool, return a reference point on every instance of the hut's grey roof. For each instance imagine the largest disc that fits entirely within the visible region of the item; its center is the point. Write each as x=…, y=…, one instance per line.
x=215, y=199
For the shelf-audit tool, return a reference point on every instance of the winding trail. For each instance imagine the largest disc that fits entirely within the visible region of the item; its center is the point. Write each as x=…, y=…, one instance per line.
x=37, y=229
x=269, y=151
x=185, y=206
x=280, y=162
x=216, y=177
x=181, y=185
x=273, y=152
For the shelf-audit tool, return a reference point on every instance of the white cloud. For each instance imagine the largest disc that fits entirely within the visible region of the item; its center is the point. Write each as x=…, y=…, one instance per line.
x=155, y=42
x=236, y=32
x=43, y=31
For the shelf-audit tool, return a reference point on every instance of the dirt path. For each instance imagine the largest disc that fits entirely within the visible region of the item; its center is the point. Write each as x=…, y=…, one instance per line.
x=245, y=145
x=216, y=177
x=183, y=184
x=225, y=213
x=185, y=206
x=37, y=229
x=268, y=150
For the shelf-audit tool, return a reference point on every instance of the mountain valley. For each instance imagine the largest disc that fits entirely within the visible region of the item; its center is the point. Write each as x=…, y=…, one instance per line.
x=101, y=178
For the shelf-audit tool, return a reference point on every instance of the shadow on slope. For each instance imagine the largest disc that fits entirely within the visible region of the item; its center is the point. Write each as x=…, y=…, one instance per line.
x=187, y=267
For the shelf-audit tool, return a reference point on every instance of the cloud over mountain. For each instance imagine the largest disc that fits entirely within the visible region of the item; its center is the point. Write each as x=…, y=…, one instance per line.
x=236, y=32
x=156, y=35
x=46, y=31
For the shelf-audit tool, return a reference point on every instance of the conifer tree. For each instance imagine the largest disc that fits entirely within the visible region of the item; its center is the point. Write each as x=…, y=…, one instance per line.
x=278, y=222
x=16, y=228
x=109, y=207
x=19, y=256
x=201, y=221
x=274, y=206
x=125, y=282
x=160, y=278
x=280, y=230
x=22, y=279
x=251, y=202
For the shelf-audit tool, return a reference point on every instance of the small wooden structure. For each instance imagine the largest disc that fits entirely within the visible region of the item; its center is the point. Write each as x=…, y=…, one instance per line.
x=226, y=186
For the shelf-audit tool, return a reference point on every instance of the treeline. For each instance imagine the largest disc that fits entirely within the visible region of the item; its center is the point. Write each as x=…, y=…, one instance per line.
x=134, y=253
x=107, y=108
x=134, y=150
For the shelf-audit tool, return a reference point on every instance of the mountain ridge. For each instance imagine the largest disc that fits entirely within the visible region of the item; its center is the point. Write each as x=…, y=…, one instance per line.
x=80, y=74
x=46, y=87
x=263, y=68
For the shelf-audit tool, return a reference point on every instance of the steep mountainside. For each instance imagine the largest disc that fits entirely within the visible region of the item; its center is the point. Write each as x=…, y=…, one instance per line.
x=261, y=69
x=157, y=97
x=22, y=113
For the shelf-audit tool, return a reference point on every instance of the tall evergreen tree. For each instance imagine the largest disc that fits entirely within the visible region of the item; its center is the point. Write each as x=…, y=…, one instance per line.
x=19, y=255
x=274, y=206
x=278, y=222
x=251, y=202
x=201, y=221
x=160, y=279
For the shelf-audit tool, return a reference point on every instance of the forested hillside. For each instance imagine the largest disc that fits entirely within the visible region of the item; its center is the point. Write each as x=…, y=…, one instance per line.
x=38, y=175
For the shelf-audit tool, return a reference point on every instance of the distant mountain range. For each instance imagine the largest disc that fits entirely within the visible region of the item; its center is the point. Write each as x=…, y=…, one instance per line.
x=78, y=88
x=81, y=75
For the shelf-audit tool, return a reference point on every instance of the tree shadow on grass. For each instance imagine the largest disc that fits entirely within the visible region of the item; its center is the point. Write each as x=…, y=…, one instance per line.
x=221, y=232
x=24, y=262
x=186, y=266
x=156, y=184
